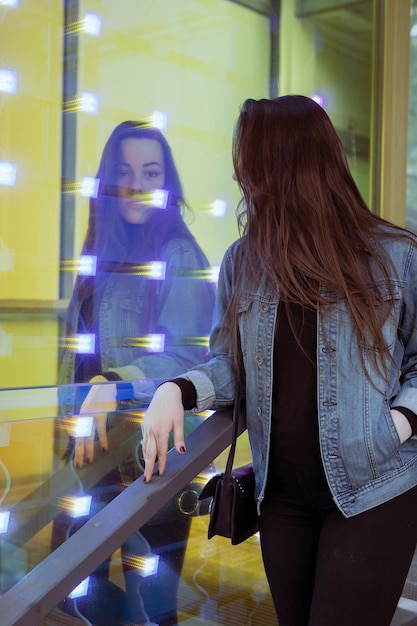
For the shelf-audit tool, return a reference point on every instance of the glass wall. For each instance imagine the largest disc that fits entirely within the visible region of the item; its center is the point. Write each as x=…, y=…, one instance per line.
x=70, y=73
x=76, y=302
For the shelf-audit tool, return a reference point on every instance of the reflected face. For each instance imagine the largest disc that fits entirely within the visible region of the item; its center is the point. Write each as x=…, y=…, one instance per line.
x=141, y=171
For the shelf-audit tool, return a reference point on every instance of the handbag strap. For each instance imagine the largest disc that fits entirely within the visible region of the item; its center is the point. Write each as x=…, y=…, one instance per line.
x=236, y=409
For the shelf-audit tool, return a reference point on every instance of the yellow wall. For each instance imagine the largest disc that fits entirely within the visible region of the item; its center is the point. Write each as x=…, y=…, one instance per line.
x=30, y=137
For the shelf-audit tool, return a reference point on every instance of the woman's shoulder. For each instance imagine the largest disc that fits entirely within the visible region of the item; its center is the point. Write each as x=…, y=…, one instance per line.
x=391, y=236
x=396, y=244
x=233, y=249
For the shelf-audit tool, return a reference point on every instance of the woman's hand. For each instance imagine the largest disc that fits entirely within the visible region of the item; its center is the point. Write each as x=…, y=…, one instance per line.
x=402, y=425
x=100, y=400
x=165, y=414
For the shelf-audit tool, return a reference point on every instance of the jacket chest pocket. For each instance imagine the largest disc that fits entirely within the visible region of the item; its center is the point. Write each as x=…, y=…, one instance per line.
x=388, y=303
x=131, y=315
x=256, y=323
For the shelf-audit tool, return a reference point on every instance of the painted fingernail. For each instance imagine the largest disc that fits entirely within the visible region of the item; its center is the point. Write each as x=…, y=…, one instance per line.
x=104, y=449
x=182, y=449
x=77, y=465
x=88, y=460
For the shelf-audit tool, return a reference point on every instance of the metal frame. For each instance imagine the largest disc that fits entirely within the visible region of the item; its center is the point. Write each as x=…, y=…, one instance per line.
x=302, y=11
x=259, y=6
x=69, y=137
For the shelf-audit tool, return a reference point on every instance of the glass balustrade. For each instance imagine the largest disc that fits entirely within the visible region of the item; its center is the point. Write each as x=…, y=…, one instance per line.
x=166, y=572
x=70, y=72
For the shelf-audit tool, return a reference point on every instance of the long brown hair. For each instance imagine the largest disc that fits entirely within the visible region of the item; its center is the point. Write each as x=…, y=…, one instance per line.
x=303, y=220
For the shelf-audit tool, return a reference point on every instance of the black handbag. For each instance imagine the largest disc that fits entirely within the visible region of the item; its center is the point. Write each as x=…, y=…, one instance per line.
x=233, y=510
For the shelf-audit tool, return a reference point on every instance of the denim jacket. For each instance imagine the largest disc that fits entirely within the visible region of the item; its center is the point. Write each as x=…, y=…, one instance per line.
x=363, y=459
x=134, y=306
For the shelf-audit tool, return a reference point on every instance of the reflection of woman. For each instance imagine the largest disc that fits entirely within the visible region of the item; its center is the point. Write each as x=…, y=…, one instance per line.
x=316, y=309
x=149, y=304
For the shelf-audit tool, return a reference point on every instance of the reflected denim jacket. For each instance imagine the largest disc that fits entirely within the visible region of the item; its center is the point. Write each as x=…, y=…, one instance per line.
x=133, y=306
x=363, y=460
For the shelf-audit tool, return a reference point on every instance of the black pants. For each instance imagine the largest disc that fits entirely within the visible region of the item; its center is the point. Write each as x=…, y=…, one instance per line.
x=324, y=569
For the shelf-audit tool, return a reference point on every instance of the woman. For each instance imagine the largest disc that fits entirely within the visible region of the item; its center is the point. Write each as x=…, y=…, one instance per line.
x=149, y=308
x=316, y=310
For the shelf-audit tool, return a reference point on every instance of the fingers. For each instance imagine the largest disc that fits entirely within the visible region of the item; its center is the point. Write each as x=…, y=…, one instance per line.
x=101, y=423
x=152, y=448
x=165, y=414
x=100, y=400
x=84, y=446
x=79, y=452
x=179, y=442
x=89, y=448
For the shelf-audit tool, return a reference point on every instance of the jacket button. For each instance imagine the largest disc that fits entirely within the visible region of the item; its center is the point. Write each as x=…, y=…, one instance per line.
x=259, y=360
x=264, y=308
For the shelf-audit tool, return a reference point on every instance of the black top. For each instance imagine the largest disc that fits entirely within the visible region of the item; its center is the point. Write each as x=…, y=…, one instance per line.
x=294, y=430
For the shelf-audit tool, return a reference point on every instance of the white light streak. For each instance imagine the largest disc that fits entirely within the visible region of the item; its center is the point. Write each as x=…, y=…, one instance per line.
x=83, y=426
x=87, y=265
x=8, y=173
x=8, y=81
x=89, y=187
x=89, y=102
x=92, y=24
x=80, y=590
x=159, y=120
x=218, y=208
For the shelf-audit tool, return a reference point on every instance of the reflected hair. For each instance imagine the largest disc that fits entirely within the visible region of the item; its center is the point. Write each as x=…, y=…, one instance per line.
x=303, y=220
x=106, y=235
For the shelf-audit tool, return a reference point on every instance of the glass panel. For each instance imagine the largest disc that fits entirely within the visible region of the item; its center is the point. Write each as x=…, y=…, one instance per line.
x=39, y=483
x=168, y=568
x=71, y=71
x=219, y=585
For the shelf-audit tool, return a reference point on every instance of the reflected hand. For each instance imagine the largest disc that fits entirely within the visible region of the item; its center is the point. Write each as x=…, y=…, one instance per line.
x=165, y=414
x=100, y=400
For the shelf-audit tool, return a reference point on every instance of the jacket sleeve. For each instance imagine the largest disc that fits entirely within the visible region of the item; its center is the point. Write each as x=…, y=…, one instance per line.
x=183, y=316
x=215, y=380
